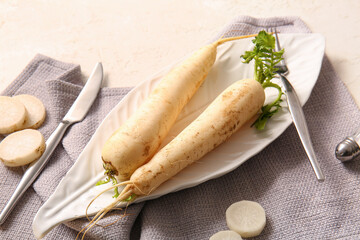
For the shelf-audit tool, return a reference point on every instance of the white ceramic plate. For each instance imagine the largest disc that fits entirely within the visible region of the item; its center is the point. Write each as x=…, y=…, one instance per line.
x=303, y=52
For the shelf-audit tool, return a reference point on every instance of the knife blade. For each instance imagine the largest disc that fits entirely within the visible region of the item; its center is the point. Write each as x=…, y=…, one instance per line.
x=76, y=113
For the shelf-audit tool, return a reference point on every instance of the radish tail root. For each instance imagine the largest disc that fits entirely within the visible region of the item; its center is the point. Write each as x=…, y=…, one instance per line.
x=103, y=211
x=224, y=40
x=228, y=39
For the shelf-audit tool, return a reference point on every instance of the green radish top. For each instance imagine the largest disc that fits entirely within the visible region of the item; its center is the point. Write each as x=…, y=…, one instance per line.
x=265, y=58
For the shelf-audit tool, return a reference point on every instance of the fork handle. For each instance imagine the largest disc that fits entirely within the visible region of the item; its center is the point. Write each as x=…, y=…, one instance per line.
x=299, y=120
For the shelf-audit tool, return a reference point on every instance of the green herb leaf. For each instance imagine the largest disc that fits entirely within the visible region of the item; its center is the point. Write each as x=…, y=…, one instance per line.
x=116, y=192
x=267, y=112
x=265, y=59
x=112, y=178
x=101, y=182
x=264, y=40
x=131, y=198
x=116, y=189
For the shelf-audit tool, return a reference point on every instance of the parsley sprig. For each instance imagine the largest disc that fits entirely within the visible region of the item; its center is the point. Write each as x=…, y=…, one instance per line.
x=265, y=60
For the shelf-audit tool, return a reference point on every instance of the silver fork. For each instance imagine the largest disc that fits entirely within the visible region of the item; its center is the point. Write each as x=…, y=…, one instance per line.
x=297, y=113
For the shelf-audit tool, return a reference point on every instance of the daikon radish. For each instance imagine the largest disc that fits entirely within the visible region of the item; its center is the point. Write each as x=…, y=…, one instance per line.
x=138, y=138
x=22, y=147
x=12, y=115
x=246, y=218
x=223, y=117
x=226, y=235
x=35, y=110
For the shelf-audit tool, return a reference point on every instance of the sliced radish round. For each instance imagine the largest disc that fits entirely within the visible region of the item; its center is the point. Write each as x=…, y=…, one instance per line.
x=246, y=218
x=226, y=235
x=35, y=110
x=12, y=115
x=22, y=147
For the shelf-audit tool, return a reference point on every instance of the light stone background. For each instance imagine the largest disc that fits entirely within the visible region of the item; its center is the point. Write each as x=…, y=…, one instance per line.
x=136, y=38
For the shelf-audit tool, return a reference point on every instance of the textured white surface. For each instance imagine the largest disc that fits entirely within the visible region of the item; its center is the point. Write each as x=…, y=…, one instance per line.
x=136, y=38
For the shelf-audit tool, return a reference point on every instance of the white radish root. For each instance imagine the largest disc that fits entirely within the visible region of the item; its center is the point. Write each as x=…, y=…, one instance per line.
x=226, y=235
x=22, y=147
x=139, y=138
x=223, y=117
x=136, y=141
x=13, y=115
x=130, y=151
x=246, y=218
x=35, y=110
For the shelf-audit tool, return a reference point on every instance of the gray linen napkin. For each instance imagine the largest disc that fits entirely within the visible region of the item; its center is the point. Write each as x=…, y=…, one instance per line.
x=279, y=178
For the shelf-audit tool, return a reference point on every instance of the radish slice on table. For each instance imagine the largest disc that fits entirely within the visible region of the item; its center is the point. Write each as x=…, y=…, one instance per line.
x=13, y=115
x=35, y=109
x=22, y=147
x=246, y=218
x=226, y=235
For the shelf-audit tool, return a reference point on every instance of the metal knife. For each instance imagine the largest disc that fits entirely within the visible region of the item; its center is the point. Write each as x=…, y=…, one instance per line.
x=76, y=113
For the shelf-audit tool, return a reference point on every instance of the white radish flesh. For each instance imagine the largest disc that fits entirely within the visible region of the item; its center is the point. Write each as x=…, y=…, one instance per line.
x=246, y=218
x=226, y=235
x=22, y=147
x=12, y=115
x=35, y=110
x=223, y=117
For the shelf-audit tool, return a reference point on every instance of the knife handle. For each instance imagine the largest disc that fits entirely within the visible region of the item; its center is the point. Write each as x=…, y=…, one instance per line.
x=34, y=169
x=299, y=120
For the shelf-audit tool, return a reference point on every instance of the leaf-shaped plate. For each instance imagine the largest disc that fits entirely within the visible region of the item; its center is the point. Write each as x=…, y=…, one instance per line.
x=303, y=52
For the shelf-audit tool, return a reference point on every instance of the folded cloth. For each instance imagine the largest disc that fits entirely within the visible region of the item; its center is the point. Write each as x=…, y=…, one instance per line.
x=279, y=178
